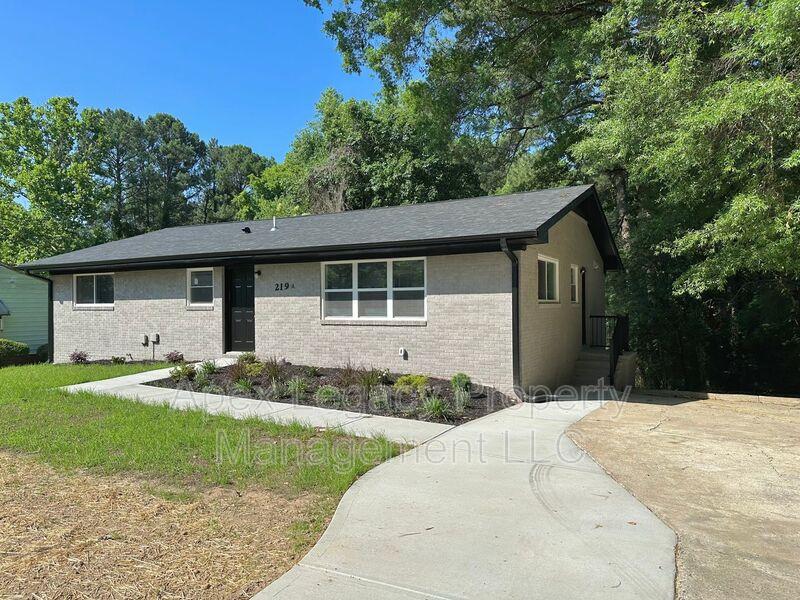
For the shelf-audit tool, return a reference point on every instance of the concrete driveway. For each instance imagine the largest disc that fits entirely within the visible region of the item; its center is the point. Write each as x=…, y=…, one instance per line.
x=503, y=507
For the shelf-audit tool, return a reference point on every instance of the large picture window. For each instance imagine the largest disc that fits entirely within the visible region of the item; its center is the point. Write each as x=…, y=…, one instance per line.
x=374, y=289
x=548, y=279
x=96, y=289
x=200, y=287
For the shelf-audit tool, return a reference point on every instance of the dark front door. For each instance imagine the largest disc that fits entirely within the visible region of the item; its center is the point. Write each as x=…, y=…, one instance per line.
x=240, y=286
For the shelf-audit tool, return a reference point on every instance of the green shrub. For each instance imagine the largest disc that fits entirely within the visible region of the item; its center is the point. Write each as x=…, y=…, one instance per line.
x=460, y=381
x=117, y=360
x=183, y=372
x=200, y=379
x=368, y=380
x=244, y=386
x=254, y=369
x=209, y=367
x=328, y=395
x=273, y=369
x=278, y=389
x=435, y=407
x=379, y=397
x=411, y=383
x=43, y=353
x=297, y=386
x=312, y=371
x=11, y=349
x=461, y=400
x=247, y=358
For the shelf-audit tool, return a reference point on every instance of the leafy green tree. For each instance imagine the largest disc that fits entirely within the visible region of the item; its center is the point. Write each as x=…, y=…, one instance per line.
x=226, y=175
x=170, y=179
x=686, y=114
x=47, y=156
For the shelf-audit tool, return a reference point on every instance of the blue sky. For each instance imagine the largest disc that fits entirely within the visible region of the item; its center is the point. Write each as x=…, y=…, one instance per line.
x=243, y=72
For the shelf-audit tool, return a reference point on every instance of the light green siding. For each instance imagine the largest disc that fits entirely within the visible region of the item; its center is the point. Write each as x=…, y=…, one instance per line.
x=26, y=299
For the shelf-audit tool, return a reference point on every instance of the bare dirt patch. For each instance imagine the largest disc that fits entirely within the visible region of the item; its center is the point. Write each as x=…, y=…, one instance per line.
x=725, y=475
x=80, y=535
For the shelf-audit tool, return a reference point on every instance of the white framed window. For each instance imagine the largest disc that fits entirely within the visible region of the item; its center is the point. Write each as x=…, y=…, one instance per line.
x=375, y=289
x=90, y=290
x=574, y=277
x=200, y=287
x=548, y=279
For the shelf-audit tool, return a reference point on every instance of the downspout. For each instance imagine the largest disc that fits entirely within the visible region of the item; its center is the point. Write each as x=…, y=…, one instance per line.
x=518, y=390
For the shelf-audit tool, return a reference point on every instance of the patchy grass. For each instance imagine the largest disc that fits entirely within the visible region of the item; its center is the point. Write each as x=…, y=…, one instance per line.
x=156, y=501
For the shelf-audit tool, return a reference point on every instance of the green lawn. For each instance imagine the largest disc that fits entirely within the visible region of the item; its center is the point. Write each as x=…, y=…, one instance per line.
x=109, y=435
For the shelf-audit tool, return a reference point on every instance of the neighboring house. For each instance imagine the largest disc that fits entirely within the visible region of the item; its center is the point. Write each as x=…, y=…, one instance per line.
x=23, y=307
x=498, y=287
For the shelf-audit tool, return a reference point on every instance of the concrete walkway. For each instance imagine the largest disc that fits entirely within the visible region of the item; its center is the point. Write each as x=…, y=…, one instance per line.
x=133, y=387
x=503, y=507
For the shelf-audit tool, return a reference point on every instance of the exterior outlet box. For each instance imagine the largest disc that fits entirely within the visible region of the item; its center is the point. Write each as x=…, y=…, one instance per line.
x=154, y=337
x=401, y=352
x=145, y=340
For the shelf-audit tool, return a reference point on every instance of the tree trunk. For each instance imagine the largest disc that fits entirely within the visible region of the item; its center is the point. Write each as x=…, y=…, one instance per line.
x=619, y=185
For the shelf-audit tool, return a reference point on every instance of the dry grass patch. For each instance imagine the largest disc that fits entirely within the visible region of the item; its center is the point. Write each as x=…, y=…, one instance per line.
x=83, y=535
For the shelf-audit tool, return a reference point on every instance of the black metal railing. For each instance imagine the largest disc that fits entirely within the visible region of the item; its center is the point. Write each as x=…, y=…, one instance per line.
x=610, y=332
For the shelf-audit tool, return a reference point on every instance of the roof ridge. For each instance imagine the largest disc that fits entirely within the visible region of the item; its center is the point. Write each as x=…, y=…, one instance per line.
x=371, y=208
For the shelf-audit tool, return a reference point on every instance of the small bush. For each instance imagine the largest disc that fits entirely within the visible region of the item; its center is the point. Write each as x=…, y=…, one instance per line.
x=174, y=357
x=460, y=381
x=43, y=353
x=12, y=349
x=79, y=357
x=411, y=383
x=254, y=369
x=278, y=389
x=183, y=372
x=461, y=400
x=208, y=367
x=273, y=369
x=212, y=388
x=297, y=386
x=200, y=379
x=244, y=386
x=349, y=375
x=117, y=360
x=312, y=371
x=368, y=380
x=379, y=397
x=328, y=395
x=247, y=358
x=435, y=407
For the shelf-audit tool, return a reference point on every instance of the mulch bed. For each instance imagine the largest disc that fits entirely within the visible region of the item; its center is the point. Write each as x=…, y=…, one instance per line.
x=383, y=399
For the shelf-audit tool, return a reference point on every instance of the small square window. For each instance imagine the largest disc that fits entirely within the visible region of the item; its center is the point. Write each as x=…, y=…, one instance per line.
x=200, y=287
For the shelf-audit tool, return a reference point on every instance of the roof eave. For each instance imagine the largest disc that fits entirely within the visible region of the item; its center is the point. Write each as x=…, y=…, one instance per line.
x=518, y=240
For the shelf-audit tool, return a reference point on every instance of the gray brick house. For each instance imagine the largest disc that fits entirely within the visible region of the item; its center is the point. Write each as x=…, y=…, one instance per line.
x=499, y=287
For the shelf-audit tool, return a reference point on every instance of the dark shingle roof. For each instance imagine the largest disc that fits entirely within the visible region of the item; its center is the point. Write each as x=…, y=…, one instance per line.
x=512, y=215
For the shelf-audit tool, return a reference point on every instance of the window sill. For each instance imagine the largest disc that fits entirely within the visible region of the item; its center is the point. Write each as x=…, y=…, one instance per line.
x=95, y=307
x=199, y=307
x=376, y=322
x=549, y=303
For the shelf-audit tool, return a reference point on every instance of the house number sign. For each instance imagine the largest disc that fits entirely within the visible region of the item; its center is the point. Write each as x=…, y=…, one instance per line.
x=283, y=286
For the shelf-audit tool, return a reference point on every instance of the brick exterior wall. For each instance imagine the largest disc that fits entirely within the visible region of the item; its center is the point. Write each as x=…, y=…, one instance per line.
x=468, y=324
x=550, y=334
x=145, y=302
